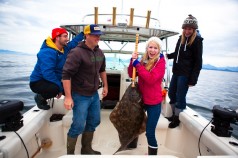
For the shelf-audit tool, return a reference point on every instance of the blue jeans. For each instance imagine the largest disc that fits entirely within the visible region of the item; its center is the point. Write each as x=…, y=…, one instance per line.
x=153, y=114
x=178, y=89
x=86, y=114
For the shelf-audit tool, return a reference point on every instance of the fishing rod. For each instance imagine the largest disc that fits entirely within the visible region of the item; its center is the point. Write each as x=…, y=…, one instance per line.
x=134, y=69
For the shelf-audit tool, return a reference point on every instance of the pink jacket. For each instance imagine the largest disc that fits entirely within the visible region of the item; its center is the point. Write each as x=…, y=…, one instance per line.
x=150, y=82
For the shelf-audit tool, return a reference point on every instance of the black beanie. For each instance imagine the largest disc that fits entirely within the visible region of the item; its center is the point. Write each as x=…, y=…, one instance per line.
x=190, y=21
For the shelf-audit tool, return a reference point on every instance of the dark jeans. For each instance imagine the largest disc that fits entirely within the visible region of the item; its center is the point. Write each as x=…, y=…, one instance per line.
x=45, y=88
x=153, y=114
x=178, y=89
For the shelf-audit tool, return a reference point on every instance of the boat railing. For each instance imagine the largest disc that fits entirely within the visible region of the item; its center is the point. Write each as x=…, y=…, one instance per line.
x=123, y=19
x=122, y=23
x=124, y=30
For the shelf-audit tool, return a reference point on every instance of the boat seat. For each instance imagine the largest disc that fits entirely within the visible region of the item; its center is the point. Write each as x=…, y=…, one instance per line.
x=67, y=119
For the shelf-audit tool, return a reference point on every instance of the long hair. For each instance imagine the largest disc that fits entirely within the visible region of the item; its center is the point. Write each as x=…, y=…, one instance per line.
x=191, y=40
x=149, y=63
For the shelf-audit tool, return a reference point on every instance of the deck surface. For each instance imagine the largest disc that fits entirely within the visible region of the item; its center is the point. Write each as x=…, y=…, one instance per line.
x=107, y=142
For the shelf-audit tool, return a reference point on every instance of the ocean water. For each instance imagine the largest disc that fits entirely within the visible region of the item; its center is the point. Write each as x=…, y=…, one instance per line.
x=213, y=88
x=14, y=77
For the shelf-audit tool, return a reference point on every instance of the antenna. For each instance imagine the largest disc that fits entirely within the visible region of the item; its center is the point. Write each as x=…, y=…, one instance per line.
x=122, y=10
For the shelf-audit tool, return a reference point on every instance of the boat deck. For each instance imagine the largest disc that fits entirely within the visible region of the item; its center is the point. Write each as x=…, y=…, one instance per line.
x=107, y=142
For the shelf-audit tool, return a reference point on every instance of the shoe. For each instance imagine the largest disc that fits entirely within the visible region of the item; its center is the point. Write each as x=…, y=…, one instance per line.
x=175, y=122
x=41, y=102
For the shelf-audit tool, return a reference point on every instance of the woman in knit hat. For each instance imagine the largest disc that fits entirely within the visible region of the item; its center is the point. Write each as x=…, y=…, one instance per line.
x=186, y=67
x=150, y=71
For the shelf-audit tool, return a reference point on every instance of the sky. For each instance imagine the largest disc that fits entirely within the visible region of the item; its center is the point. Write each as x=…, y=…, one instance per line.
x=25, y=24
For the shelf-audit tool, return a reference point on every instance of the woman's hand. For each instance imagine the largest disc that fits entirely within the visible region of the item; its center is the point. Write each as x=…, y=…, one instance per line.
x=134, y=56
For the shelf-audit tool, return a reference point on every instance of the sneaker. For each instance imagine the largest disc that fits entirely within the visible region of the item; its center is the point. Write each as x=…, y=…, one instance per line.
x=41, y=102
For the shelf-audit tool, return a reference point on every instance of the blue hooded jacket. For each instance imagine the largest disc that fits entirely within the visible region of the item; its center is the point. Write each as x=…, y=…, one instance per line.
x=50, y=61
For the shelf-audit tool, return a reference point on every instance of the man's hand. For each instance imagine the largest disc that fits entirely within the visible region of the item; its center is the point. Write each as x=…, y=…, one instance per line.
x=68, y=103
x=104, y=92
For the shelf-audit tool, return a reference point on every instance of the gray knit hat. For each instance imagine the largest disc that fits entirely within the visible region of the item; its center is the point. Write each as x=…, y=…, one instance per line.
x=190, y=21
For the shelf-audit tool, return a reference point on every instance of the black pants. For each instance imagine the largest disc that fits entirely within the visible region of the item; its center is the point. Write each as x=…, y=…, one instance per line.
x=45, y=88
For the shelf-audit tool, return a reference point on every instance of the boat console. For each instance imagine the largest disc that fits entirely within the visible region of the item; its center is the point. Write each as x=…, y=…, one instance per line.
x=10, y=116
x=222, y=117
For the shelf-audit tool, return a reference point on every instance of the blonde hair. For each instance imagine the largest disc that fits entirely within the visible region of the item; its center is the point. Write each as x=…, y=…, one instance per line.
x=149, y=63
x=191, y=40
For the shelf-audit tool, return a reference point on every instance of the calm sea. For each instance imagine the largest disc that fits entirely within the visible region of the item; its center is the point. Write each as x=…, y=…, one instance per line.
x=213, y=88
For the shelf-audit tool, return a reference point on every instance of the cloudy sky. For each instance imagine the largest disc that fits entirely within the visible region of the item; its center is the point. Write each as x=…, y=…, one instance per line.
x=24, y=24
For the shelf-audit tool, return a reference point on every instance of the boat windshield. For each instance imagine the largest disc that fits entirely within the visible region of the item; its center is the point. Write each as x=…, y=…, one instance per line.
x=118, y=54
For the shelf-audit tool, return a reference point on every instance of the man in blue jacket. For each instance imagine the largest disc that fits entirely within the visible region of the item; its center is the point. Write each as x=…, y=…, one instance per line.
x=45, y=79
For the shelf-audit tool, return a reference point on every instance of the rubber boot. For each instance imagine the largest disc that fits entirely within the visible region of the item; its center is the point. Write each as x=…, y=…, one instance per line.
x=175, y=122
x=133, y=144
x=71, y=142
x=152, y=151
x=170, y=118
x=86, y=141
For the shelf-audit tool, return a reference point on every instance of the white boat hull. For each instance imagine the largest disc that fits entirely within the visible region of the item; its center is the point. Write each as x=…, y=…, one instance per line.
x=180, y=142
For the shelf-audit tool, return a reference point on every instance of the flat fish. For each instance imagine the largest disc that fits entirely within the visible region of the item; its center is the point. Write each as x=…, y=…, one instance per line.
x=129, y=117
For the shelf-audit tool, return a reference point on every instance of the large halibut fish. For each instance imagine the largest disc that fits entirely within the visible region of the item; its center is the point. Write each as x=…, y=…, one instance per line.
x=129, y=117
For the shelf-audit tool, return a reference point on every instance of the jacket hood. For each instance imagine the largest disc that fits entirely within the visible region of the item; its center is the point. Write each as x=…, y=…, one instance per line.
x=51, y=44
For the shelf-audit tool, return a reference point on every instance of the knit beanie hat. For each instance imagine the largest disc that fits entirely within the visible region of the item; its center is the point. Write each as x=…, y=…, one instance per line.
x=58, y=31
x=190, y=21
x=156, y=40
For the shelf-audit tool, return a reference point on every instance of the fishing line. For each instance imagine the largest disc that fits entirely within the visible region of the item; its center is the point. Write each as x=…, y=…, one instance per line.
x=201, y=136
x=23, y=144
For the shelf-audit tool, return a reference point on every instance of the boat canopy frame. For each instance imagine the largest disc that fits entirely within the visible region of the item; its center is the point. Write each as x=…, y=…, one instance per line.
x=125, y=30
x=123, y=34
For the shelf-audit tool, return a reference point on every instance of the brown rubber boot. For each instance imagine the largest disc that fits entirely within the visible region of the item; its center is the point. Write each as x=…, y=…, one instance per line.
x=71, y=142
x=86, y=141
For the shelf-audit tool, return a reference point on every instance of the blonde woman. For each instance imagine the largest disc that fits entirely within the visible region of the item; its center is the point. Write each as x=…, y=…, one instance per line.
x=150, y=71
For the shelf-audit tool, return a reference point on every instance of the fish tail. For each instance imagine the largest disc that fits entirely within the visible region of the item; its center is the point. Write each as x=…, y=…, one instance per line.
x=120, y=149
